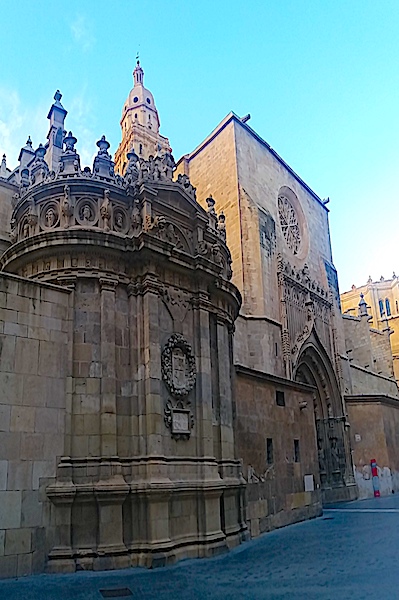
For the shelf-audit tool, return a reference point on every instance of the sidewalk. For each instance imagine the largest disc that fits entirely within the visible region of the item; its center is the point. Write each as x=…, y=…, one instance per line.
x=351, y=552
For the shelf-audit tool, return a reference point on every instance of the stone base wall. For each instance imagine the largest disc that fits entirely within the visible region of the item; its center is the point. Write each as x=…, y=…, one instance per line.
x=278, y=446
x=265, y=513
x=34, y=321
x=144, y=512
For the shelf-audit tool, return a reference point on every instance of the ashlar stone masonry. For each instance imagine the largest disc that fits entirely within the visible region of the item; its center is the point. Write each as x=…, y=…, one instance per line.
x=117, y=442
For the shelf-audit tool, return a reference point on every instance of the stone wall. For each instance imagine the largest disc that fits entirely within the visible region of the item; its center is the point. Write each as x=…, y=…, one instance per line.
x=261, y=176
x=374, y=435
x=257, y=344
x=382, y=353
x=246, y=176
x=366, y=347
x=214, y=171
x=366, y=382
x=34, y=324
x=276, y=489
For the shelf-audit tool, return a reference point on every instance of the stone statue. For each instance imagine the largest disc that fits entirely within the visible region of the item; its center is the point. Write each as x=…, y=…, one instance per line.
x=105, y=210
x=136, y=219
x=66, y=208
x=222, y=226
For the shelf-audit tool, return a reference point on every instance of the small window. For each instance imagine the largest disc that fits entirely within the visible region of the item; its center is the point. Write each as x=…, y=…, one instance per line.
x=135, y=115
x=280, y=398
x=388, y=307
x=141, y=149
x=149, y=101
x=396, y=305
x=276, y=349
x=381, y=306
x=269, y=451
x=135, y=99
x=297, y=457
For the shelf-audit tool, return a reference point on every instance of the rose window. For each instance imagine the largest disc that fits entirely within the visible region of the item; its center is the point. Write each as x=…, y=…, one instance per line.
x=289, y=224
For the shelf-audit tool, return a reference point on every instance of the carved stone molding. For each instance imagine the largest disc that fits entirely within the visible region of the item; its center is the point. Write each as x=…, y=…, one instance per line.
x=178, y=366
x=305, y=305
x=301, y=277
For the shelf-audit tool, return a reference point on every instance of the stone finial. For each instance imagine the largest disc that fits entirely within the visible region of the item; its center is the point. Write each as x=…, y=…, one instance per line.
x=39, y=153
x=57, y=96
x=363, y=307
x=132, y=156
x=29, y=142
x=382, y=278
x=3, y=167
x=369, y=280
x=103, y=146
x=24, y=178
x=103, y=166
x=70, y=141
x=69, y=163
x=394, y=275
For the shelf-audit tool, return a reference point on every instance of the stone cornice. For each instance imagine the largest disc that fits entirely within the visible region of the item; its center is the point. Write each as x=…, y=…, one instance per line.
x=372, y=399
x=275, y=379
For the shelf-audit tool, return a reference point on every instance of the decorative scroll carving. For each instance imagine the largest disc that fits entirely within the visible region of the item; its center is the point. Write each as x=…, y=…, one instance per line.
x=179, y=419
x=178, y=366
x=176, y=301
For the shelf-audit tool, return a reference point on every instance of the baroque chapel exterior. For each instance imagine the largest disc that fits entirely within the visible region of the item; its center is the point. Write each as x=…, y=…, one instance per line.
x=174, y=374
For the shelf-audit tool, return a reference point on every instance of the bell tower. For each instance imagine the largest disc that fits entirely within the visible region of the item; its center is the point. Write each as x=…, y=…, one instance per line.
x=140, y=125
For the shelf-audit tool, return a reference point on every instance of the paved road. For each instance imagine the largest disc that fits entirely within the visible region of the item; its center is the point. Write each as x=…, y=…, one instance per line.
x=351, y=552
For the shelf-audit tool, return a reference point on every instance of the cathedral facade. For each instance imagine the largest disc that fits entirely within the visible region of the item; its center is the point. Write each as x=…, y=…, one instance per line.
x=174, y=367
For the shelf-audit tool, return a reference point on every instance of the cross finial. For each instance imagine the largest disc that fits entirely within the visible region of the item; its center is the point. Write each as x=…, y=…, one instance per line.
x=138, y=57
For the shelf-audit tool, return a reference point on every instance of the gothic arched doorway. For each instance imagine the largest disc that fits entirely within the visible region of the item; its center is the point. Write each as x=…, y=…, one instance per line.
x=314, y=368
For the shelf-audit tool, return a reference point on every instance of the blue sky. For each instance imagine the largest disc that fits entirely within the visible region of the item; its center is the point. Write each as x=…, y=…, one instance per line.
x=319, y=77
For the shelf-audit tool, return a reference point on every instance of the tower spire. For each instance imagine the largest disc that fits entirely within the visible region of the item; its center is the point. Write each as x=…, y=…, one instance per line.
x=138, y=74
x=140, y=124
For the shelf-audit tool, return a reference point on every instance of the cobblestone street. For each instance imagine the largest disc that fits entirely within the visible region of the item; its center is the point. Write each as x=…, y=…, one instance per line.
x=351, y=552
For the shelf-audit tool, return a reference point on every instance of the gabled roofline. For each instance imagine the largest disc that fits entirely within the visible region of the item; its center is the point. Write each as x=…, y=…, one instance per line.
x=233, y=117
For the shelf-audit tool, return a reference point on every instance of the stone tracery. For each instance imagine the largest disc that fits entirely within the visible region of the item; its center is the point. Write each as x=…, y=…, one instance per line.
x=289, y=224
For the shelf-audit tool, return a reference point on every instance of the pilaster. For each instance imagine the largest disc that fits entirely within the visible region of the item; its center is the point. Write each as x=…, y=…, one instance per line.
x=108, y=379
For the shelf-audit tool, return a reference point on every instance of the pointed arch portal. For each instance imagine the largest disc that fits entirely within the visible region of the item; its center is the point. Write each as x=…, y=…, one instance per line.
x=314, y=368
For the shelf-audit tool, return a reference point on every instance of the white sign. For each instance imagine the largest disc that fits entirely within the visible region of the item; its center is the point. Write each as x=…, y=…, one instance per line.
x=308, y=481
x=180, y=422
